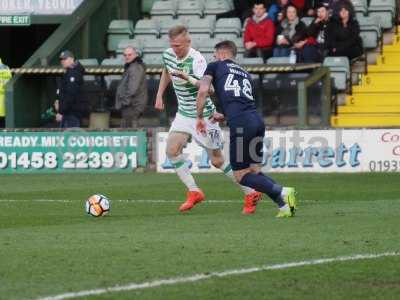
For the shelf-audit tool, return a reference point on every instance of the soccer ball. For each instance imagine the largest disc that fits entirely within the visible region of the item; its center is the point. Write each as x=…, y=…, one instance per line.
x=97, y=205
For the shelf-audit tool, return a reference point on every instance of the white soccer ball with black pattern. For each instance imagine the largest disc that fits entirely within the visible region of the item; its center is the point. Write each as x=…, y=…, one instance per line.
x=97, y=205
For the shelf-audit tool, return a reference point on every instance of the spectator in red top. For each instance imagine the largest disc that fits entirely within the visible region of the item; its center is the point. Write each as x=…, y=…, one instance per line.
x=259, y=35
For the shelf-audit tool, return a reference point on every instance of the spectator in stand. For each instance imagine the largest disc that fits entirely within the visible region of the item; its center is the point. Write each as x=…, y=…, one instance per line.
x=336, y=5
x=68, y=104
x=259, y=34
x=275, y=10
x=315, y=49
x=242, y=10
x=291, y=33
x=131, y=97
x=343, y=35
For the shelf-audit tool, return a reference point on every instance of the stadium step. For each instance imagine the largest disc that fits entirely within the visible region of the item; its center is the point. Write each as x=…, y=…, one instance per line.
x=392, y=99
x=380, y=79
x=367, y=109
x=366, y=120
x=375, y=102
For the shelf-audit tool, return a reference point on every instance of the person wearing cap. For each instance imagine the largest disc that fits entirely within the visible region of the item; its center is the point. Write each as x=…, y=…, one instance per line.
x=68, y=106
x=131, y=96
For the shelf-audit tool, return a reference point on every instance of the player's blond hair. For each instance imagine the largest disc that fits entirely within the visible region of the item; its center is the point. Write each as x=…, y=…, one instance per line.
x=177, y=31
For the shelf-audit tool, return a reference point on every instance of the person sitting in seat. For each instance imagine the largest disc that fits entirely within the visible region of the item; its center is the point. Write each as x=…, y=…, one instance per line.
x=343, y=35
x=259, y=34
x=292, y=33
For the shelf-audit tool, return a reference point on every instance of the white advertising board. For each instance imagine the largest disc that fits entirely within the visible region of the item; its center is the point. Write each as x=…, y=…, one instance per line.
x=359, y=150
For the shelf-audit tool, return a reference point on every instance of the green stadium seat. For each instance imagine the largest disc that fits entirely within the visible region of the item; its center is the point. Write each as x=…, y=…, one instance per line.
x=228, y=28
x=112, y=80
x=117, y=31
x=360, y=7
x=136, y=43
x=166, y=24
x=340, y=71
x=155, y=46
x=205, y=45
x=384, y=10
x=147, y=27
x=278, y=60
x=163, y=10
x=250, y=61
x=153, y=59
x=201, y=28
x=89, y=62
x=370, y=32
x=214, y=7
x=190, y=8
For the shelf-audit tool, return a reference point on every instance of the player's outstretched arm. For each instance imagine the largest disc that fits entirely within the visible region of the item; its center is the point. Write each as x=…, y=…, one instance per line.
x=204, y=88
x=164, y=82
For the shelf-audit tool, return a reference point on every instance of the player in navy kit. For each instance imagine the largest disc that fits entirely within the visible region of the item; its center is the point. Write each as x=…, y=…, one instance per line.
x=233, y=88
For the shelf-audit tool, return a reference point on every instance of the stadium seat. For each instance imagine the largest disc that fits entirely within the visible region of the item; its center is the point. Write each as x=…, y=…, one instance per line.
x=147, y=27
x=201, y=28
x=360, y=7
x=117, y=31
x=239, y=44
x=384, y=10
x=228, y=28
x=136, y=43
x=278, y=60
x=89, y=62
x=190, y=8
x=155, y=46
x=307, y=20
x=112, y=81
x=340, y=71
x=206, y=45
x=214, y=7
x=163, y=10
x=166, y=24
x=250, y=61
x=153, y=59
x=370, y=32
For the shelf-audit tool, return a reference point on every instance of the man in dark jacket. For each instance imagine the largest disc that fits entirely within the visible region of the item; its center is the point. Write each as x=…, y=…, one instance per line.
x=259, y=34
x=68, y=105
x=316, y=49
x=131, y=97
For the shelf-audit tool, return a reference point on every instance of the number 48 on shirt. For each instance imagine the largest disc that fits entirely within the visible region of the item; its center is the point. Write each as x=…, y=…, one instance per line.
x=232, y=84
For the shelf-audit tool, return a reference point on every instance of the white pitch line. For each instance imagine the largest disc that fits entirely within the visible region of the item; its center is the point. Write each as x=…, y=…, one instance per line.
x=198, y=277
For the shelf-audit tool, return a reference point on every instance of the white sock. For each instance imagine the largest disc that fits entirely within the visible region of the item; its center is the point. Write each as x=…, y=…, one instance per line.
x=183, y=172
x=284, y=192
x=285, y=207
x=227, y=169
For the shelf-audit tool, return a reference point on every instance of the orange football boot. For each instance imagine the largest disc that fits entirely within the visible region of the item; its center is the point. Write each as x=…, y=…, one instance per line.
x=250, y=202
x=192, y=198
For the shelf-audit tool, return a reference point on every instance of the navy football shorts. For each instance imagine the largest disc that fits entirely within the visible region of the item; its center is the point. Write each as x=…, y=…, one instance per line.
x=246, y=140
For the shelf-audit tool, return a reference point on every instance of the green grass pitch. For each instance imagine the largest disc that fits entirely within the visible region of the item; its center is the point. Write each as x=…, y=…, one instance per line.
x=50, y=248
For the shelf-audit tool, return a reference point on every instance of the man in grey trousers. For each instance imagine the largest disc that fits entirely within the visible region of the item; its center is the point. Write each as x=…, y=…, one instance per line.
x=131, y=96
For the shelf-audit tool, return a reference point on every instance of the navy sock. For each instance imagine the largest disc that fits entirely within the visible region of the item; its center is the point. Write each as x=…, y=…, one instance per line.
x=264, y=184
